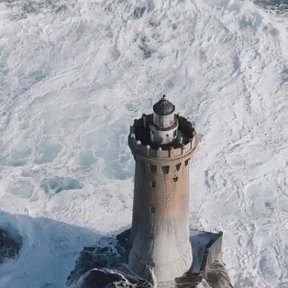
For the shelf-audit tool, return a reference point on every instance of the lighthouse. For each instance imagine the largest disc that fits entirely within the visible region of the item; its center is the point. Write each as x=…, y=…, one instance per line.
x=160, y=249
x=162, y=144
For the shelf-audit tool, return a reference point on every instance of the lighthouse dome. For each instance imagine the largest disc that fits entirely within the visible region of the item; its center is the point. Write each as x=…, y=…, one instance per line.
x=163, y=129
x=163, y=107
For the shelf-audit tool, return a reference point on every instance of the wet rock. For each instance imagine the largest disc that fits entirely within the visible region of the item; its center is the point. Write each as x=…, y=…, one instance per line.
x=9, y=247
x=218, y=277
x=102, y=266
x=105, y=265
x=107, y=253
x=138, y=12
x=99, y=278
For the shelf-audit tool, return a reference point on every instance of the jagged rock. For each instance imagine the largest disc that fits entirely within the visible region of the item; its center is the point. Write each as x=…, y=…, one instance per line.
x=104, y=265
x=218, y=277
x=9, y=247
x=107, y=253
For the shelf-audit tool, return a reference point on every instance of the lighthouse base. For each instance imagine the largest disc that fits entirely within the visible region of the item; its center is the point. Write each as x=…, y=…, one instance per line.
x=105, y=265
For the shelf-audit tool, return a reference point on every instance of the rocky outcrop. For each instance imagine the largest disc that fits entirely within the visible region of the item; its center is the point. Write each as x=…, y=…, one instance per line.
x=9, y=247
x=105, y=265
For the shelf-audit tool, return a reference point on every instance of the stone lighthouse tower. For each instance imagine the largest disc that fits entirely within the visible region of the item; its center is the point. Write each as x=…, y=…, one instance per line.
x=162, y=144
x=157, y=250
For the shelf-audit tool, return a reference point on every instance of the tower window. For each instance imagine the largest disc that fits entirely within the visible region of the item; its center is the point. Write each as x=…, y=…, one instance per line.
x=153, y=168
x=165, y=169
x=153, y=183
x=178, y=166
x=152, y=209
x=186, y=162
x=175, y=179
x=174, y=133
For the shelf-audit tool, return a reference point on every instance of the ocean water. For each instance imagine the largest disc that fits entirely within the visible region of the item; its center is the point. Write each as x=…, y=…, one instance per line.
x=280, y=6
x=74, y=75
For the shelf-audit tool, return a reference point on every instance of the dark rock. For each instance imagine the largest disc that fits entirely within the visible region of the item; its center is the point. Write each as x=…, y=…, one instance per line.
x=9, y=247
x=105, y=264
x=138, y=12
x=217, y=276
x=107, y=253
x=99, y=278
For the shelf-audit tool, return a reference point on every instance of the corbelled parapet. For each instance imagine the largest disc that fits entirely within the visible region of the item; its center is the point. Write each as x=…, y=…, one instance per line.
x=142, y=146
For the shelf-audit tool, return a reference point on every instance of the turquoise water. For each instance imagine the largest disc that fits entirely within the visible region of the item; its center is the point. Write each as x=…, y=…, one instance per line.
x=277, y=5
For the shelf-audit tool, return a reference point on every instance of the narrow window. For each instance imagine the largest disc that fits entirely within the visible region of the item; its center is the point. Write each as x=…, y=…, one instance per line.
x=175, y=179
x=153, y=183
x=174, y=133
x=148, y=167
x=178, y=166
x=152, y=209
x=165, y=169
x=186, y=162
x=153, y=168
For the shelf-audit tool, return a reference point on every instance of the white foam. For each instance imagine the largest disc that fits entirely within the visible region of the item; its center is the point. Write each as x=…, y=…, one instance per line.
x=74, y=75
